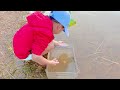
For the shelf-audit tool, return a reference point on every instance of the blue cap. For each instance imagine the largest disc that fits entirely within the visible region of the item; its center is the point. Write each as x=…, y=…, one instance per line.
x=63, y=17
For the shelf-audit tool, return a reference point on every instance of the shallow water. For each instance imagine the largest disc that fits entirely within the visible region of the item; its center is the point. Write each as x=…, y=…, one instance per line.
x=96, y=40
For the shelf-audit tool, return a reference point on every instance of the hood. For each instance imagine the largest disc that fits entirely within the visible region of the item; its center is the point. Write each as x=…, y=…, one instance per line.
x=37, y=19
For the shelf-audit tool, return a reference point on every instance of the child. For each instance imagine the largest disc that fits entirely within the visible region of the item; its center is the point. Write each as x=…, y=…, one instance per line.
x=36, y=37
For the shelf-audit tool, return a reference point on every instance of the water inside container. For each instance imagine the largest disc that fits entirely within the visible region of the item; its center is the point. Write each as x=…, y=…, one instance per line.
x=66, y=60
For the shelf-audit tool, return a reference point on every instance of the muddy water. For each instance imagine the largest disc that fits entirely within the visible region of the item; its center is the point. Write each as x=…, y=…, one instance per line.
x=66, y=64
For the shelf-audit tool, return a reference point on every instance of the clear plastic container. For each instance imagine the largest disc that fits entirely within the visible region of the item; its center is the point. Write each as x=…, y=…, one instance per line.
x=67, y=67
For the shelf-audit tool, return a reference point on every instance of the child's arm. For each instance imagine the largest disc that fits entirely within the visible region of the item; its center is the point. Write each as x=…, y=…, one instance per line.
x=57, y=43
x=43, y=61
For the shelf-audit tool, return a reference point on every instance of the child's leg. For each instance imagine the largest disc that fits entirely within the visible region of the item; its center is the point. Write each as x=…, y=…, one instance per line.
x=49, y=48
x=28, y=58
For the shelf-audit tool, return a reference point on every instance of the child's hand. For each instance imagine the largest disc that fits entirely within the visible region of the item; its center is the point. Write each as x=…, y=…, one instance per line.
x=61, y=43
x=53, y=62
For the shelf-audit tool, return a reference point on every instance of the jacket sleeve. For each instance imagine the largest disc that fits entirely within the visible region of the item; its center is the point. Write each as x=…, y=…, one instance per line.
x=40, y=42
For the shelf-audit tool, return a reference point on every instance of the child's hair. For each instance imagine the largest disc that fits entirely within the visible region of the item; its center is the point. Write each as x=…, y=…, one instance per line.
x=53, y=19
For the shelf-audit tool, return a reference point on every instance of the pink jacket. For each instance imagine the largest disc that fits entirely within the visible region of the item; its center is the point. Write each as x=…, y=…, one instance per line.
x=34, y=36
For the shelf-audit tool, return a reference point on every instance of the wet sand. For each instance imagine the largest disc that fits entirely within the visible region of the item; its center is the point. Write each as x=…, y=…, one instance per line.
x=10, y=66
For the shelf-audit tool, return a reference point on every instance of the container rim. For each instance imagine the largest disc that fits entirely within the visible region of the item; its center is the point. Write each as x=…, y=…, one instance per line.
x=73, y=51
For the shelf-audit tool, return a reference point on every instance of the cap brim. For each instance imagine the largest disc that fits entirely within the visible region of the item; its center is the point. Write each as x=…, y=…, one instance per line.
x=66, y=32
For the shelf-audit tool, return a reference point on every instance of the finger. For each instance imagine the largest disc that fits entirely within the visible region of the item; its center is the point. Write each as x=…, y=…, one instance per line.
x=61, y=41
x=56, y=62
x=64, y=44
